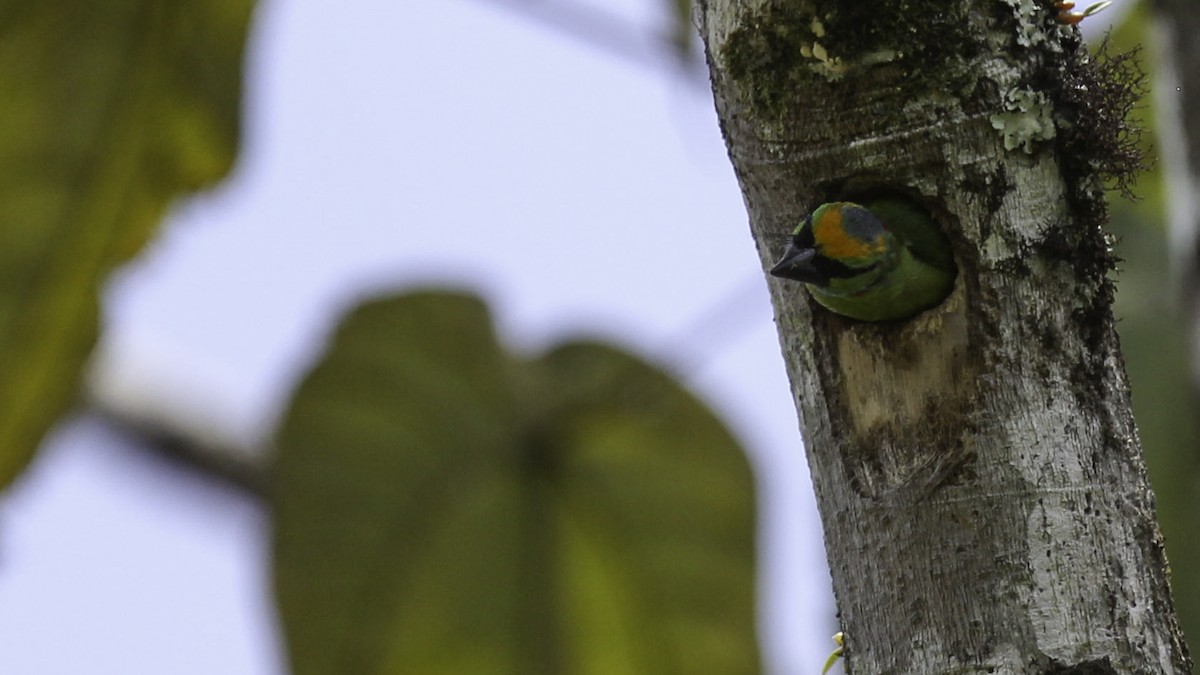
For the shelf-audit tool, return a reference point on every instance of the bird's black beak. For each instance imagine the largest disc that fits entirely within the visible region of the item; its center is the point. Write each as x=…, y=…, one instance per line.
x=797, y=264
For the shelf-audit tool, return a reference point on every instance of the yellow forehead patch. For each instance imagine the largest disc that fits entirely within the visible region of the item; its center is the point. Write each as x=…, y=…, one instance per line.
x=834, y=241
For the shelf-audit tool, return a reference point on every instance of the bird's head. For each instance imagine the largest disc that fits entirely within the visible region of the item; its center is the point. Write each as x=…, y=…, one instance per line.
x=840, y=246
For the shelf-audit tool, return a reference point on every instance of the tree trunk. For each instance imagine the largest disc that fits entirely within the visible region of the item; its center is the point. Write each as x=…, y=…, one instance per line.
x=977, y=468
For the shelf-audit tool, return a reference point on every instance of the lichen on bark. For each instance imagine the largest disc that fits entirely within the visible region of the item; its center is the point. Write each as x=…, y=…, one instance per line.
x=785, y=45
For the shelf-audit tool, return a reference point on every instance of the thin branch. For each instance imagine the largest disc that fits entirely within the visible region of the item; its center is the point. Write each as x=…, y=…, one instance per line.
x=608, y=32
x=225, y=464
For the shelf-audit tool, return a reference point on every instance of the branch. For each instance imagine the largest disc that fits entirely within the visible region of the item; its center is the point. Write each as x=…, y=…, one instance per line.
x=237, y=467
x=608, y=32
x=168, y=419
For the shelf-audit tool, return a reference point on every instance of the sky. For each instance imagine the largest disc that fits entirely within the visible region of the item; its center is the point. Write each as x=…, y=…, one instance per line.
x=390, y=146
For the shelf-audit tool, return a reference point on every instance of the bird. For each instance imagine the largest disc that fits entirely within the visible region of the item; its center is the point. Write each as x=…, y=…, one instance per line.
x=885, y=260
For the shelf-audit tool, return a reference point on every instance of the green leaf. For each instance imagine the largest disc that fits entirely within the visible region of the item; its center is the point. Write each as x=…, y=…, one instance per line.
x=442, y=507
x=109, y=110
x=683, y=29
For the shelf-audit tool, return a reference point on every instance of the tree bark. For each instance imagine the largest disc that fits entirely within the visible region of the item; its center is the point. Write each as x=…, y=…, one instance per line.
x=977, y=468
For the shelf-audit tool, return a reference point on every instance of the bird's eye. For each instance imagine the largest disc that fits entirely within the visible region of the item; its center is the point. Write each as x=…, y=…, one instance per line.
x=804, y=237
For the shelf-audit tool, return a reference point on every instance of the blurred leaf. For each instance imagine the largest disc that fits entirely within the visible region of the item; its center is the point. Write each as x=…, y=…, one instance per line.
x=1154, y=341
x=110, y=109
x=442, y=507
x=683, y=31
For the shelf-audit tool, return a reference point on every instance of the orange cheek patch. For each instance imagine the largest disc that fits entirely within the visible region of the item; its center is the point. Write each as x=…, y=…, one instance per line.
x=833, y=241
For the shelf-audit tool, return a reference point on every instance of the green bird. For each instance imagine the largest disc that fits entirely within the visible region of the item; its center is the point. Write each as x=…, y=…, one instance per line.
x=883, y=261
